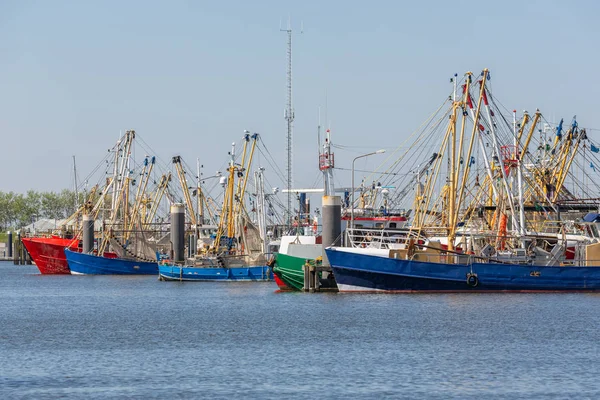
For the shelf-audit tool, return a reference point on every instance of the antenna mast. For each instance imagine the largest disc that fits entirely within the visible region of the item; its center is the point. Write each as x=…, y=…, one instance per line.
x=289, y=117
x=75, y=184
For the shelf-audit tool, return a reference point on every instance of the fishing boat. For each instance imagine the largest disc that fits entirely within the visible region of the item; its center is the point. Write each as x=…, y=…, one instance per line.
x=520, y=228
x=373, y=225
x=238, y=251
x=138, y=257
x=90, y=264
x=215, y=273
x=294, y=253
x=49, y=253
x=305, y=246
x=366, y=270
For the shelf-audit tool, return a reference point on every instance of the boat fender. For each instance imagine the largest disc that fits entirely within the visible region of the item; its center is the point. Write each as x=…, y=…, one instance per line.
x=472, y=280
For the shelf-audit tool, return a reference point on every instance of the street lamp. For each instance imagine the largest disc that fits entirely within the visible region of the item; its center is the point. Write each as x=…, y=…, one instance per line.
x=200, y=195
x=352, y=203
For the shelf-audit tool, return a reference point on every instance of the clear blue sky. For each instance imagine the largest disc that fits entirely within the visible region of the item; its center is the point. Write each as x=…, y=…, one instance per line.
x=191, y=76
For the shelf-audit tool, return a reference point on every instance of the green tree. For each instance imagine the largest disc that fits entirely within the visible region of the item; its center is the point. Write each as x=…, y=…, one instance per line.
x=51, y=206
x=4, y=211
x=67, y=202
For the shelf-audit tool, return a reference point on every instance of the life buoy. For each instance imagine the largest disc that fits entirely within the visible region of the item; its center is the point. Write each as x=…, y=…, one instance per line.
x=472, y=280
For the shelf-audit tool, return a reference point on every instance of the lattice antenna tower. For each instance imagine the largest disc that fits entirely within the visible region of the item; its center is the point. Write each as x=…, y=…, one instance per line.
x=289, y=118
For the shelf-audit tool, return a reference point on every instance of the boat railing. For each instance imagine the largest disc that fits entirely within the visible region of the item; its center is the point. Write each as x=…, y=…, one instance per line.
x=378, y=238
x=374, y=212
x=455, y=258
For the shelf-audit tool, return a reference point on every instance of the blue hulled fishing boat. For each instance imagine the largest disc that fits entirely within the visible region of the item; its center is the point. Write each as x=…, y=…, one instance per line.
x=499, y=206
x=366, y=270
x=236, y=252
x=182, y=273
x=89, y=264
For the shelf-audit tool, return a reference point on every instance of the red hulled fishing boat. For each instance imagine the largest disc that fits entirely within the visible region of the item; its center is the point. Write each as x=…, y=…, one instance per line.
x=49, y=253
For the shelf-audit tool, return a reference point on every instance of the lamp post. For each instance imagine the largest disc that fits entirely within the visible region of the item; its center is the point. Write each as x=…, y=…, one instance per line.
x=200, y=193
x=352, y=203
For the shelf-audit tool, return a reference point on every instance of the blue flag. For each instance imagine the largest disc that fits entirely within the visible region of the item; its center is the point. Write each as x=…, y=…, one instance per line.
x=592, y=166
x=594, y=148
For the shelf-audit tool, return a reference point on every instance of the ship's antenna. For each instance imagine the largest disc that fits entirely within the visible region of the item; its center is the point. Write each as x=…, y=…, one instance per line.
x=327, y=124
x=75, y=184
x=289, y=117
x=319, y=131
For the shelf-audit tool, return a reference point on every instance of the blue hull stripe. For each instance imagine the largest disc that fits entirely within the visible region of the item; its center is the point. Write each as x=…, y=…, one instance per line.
x=256, y=273
x=88, y=264
x=379, y=273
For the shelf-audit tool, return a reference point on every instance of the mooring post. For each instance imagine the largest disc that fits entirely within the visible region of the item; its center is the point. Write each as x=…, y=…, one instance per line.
x=332, y=223
x=306, y=270
x=88, y=234
x=9, y=244
x=178, y=232
x=313, y=279
x=19, y=250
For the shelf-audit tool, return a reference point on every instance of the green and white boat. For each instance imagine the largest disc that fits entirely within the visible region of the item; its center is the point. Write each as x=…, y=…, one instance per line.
x=294, y=253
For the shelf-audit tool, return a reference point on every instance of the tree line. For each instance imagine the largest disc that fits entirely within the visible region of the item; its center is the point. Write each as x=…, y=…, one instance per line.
x=18, y=210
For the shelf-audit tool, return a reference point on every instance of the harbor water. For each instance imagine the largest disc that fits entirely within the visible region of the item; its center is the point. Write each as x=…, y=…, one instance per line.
x=96, y=337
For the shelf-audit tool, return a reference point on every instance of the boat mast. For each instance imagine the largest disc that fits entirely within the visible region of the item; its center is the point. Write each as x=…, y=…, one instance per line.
x=116, y=188
x=467, y=159
x=496, y=150
x=454, y=203
x=486, y=161
x=75, y=184
x=452, y=173
x=568, y=159
x=230, y=198
x=246, y=169
x=261, y=214
x=141, y=193
x=517, y=144
x=326, y=162
x=199, y=197
x=124, y=175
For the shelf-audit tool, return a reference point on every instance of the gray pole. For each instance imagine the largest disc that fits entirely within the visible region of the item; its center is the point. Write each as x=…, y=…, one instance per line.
x=88, y=234
x=9, y=244
x=332, y=222
x=19, y=250
x=352, y=202
x=178, y=232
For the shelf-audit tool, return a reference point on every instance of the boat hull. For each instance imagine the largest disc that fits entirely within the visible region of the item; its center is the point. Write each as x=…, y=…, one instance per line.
x=208, y=274
x=356, y=271
x=290, y=270
x=48, y=254
x=281, y=284
x=89, y=264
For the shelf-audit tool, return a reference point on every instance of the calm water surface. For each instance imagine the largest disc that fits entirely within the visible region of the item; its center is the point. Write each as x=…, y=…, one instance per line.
x=78, y=337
